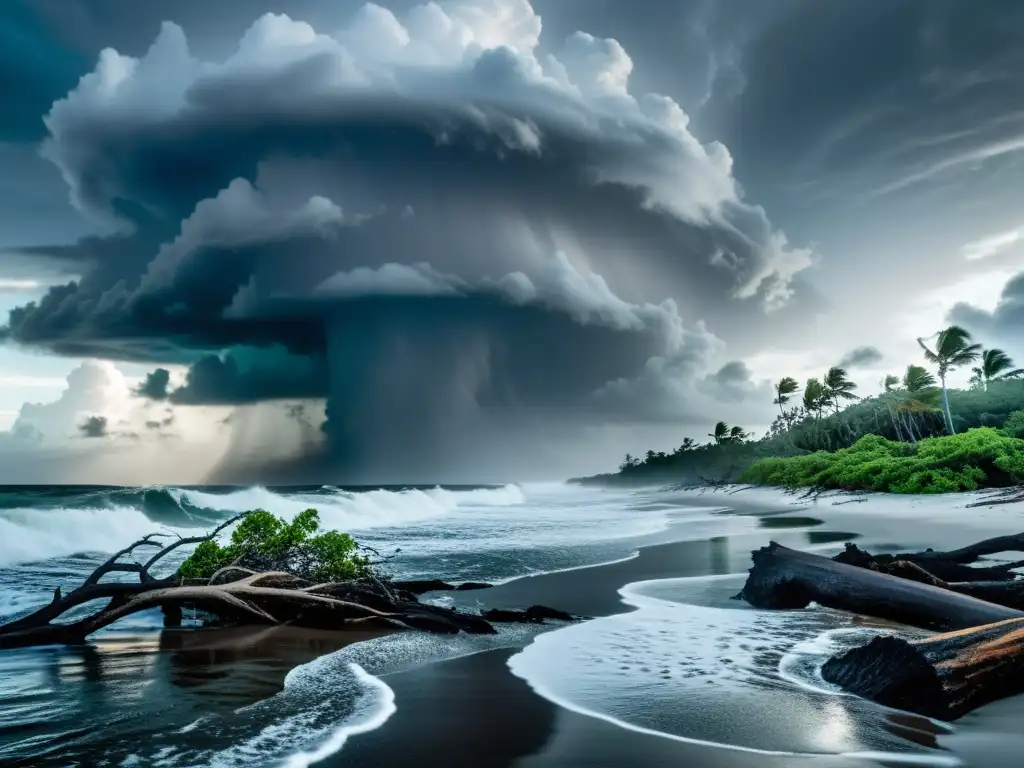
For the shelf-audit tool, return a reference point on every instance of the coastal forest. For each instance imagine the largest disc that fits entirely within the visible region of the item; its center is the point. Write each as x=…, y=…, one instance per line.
x=914, y=434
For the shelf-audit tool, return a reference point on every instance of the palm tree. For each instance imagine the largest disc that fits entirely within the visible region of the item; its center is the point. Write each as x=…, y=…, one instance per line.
x=920, y=395
x=721, y=433
x=784, y=389
x=814, y=396
x=688, y=445
x=995, y=365
x=953, y=349
x=737, y=434
x=838, y=387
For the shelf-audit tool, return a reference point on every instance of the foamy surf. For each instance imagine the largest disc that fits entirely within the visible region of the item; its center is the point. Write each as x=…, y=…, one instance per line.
x=693, y=671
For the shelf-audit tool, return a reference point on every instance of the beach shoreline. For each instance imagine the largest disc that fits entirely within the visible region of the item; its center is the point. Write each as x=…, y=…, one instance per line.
x=470, y=708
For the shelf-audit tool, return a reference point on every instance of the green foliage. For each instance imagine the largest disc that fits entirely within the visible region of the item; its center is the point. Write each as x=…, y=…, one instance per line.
x=264, y=542
x=977, y=458
x=1014, y=425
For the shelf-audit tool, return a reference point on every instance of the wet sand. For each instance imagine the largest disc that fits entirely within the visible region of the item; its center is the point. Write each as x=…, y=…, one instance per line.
x=471, y=711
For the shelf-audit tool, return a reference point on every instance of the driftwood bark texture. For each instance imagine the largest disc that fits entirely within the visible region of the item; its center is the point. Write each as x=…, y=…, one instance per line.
x=944, y=676
x=236, y=595
x=787, y=578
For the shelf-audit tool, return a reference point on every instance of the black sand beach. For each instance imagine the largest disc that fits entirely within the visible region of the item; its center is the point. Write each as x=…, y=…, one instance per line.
x=473, y=711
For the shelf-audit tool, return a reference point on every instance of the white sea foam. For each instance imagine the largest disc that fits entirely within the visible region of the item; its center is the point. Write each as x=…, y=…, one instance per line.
x=36, y=534
x=363, y=510
x=710, y=675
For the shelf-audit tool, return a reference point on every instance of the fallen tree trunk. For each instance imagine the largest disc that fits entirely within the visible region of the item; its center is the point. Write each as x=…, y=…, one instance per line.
x=947, y=566
x=944, y=676
x=238, y=595
x=1001, y=592
x=784, y=578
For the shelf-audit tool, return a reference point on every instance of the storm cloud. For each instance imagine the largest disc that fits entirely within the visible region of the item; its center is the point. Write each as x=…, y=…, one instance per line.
x=423, y=219
x=861, y=357
x=1004, y=324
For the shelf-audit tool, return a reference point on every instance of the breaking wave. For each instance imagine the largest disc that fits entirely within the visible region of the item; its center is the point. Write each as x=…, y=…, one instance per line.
x=37, y=525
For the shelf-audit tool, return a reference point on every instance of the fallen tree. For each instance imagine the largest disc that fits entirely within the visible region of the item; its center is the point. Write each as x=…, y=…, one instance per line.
x=1005, y=589
x=954, y=565
x=270, y=574
x=784, y=578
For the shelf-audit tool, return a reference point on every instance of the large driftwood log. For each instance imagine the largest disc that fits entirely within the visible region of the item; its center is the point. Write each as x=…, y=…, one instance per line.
x=944, y=676
x=953, y=566
x=238, y=595
x=1002, y=592
x=787, y=579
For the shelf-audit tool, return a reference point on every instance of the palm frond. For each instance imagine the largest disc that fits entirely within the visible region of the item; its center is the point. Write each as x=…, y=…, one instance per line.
x=917, y=378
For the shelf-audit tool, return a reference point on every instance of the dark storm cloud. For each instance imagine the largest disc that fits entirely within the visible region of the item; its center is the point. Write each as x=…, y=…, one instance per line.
x=1005, y=323
x=888, y=94
x=156, y=385
x=35, y=70
x=434, y=249
x=94, y=427
x=861, y=357
x=251, y=376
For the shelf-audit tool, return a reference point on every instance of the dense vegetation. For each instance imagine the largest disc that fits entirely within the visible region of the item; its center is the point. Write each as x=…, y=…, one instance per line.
x=982, y=457
x=915, y=413
x=262, y=542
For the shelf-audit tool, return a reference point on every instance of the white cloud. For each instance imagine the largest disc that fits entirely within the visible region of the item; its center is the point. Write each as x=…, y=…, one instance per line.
x=993, y=244
x=390, y=280
x=44, y=441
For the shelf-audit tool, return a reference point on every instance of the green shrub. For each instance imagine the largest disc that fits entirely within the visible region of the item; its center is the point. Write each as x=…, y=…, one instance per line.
x=982, y=457
x=1014, y=425
x=263, y=542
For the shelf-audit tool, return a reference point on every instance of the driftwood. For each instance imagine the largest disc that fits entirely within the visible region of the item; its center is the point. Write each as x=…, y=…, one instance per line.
x=1002, y=591
x=954, y=565
x=786, y=578
x=237, y=595
x=944, y=676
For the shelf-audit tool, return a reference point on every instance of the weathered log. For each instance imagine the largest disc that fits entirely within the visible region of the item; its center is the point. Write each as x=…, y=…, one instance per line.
x=1000, y=592
x=254, y=600
x=240, y=595
x=944, y=676
x=948, y=566
x=784, y=578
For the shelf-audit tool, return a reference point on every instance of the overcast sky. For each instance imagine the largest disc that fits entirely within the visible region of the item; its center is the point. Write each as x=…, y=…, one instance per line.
x=482, y=240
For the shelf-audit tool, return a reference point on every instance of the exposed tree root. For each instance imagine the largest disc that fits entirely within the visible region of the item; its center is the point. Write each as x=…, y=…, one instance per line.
x=237, y=595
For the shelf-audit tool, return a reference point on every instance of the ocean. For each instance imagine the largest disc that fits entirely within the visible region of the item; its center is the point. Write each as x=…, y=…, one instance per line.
x=668, y=654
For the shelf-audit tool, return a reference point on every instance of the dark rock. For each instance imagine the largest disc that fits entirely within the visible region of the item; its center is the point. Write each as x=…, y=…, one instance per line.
x=535, y=614
x=421, y=586
x=469, y=585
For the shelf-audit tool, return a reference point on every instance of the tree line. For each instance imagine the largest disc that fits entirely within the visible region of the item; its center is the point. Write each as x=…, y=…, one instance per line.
x=826, y=413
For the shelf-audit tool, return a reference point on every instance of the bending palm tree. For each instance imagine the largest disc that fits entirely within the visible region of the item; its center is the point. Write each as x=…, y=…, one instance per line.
x=737, y=434
x=814, y=396
x=920, y=395
x=721, y=433
x=889, y=384
x=838, y=387
x=995, y=365
x=953, y=349
x=784, y=390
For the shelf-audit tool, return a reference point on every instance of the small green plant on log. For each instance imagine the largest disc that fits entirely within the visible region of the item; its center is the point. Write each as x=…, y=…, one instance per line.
x=262, y=542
